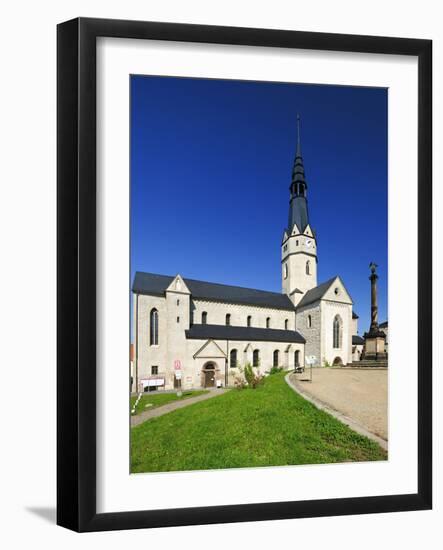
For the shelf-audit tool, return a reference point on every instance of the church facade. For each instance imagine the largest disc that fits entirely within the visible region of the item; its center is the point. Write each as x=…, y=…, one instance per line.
x=208, y=331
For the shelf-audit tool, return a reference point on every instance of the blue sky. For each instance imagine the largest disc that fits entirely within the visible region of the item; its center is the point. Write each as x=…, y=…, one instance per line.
x=211, y=165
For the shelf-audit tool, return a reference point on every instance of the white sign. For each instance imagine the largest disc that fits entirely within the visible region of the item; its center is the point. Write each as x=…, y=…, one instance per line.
x=178, y=374
x=152, y=382
x=311, y=359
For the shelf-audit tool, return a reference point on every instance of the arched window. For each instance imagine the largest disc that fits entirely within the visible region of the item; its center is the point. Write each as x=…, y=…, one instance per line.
x=204, y=317
x=286, y=324
x=297, y=358
x=309, y=321
x=268, y=322
x=285, y=271
x=337, y=332
x=275, y=357
x=153, y=327
x=233, y=359
x=248, y=321
x=228, y=319
x=255, y=358
x=308, y=267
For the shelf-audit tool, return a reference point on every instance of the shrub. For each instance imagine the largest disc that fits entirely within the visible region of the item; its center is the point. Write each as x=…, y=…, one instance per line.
x=248, y=378
x=275, y=370
x=326, y=363
x=253, y=379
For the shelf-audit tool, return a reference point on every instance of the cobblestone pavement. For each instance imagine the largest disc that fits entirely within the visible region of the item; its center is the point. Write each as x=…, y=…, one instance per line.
x=359, y=394
x=159, y=411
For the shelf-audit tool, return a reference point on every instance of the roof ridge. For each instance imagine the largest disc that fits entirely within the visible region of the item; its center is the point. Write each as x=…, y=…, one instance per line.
x=208, y=282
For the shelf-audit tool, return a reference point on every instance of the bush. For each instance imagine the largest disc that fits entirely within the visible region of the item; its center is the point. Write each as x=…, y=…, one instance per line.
x=248, y=378
x=253, y=380
x=275, y=370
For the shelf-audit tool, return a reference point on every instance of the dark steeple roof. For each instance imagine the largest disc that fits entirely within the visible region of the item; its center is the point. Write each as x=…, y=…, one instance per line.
x=298, y=204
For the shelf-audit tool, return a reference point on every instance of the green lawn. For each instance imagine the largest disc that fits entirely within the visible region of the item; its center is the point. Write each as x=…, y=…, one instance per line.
x=159, y=399
x=268, y=426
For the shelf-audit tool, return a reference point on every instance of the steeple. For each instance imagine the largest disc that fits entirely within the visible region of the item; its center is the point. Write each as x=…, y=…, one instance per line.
x=298, y=204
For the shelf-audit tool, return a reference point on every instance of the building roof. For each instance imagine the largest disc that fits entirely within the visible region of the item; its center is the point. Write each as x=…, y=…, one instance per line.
x=153, y=284
x=354, y=315
x=383, y=325
x=357, y=340
x=315, y=293
x=225, y=332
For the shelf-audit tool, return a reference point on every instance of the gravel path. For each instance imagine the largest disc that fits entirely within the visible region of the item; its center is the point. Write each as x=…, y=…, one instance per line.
x=159, y=411
x=359, y=395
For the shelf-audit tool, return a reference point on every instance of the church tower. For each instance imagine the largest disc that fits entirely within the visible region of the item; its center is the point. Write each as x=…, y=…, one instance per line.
x=299, y=246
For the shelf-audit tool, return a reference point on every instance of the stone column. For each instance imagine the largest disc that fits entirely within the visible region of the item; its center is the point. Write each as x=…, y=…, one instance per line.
x=374, y=308
x=375, y=339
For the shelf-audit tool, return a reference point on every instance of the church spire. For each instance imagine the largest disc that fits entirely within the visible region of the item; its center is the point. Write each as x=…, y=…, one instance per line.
x=298, y=206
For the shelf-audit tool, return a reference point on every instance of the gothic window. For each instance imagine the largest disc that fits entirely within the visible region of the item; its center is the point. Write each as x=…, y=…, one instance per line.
x=337, y=332
x=178, y=302
x=296, y=242
x=286, y=324
x=285, y=271
x=268, y=322
x=228, y=319
x=309, y=321
x=153, y=327
x=275, y=358
x=308, y=267
x=255, y=358
x=204, y=317
x=248, y=321
x=233, y=359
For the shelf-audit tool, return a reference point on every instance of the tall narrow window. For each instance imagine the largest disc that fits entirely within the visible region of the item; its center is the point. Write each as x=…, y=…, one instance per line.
x=228, y=319
x=248, y=321
x=233, y=359
x=268, y=322
x=309, y=321
x=337, y=332
x=204, y=317
x=255, y=358
x=297, y=358
x=308, y=267
x=153, y=327
x=154, y=370
x=286, y=324
x=275, y=358
x=285, y=271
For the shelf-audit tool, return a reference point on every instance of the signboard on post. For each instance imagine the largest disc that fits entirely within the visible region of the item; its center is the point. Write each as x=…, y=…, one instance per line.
x=310, y=360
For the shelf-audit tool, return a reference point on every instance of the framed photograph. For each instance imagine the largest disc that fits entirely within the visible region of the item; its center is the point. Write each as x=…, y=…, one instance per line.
x=244, y=274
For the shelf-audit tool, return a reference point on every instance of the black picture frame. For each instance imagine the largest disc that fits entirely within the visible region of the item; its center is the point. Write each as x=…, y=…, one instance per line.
x=76, y=280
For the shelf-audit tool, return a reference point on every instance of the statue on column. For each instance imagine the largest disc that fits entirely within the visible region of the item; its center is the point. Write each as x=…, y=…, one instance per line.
x=375, y=339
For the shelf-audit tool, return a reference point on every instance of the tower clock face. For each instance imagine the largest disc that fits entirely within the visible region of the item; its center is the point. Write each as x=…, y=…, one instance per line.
x=308, y=243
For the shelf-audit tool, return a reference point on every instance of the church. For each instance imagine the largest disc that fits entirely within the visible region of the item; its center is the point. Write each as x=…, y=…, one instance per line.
x=192, y=334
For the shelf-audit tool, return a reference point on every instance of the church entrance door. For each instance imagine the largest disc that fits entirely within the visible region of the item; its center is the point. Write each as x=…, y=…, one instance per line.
x=209, y=375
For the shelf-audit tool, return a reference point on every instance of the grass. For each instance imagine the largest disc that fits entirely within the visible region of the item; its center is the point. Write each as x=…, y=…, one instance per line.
x=159, y=399
x=268, y=426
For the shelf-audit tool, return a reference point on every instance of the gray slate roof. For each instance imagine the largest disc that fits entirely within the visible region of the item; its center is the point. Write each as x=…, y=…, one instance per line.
x=357, y=340
x=383, y=325
x=153, y=284
x=315, y=293
x=224, y=332
x=354, y=315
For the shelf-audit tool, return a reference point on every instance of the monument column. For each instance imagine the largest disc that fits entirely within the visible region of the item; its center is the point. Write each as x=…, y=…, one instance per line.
x=375, y=339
